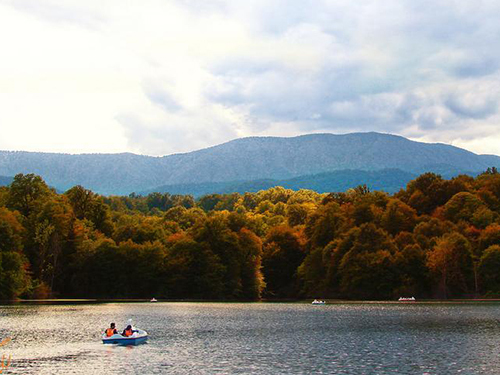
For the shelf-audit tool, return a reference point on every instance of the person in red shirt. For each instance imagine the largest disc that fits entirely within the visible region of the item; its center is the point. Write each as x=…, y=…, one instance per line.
x=128, y=331
x=111, y=330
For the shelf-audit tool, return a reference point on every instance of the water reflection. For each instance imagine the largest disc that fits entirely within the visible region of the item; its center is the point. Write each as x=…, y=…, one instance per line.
x=256, y=338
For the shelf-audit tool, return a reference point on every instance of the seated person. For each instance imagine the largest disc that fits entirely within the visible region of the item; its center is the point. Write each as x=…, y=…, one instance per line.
x=111, y=330
x=128, y=331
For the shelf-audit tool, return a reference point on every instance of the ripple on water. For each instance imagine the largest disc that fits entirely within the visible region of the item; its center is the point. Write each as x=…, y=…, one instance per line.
x=256, y=338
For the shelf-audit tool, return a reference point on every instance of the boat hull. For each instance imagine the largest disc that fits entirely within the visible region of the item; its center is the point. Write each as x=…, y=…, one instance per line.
x=136, y=339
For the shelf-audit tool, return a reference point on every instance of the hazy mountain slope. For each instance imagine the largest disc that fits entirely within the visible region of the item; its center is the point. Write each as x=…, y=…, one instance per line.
x=4, y=181
x=245, y=159
x=103, y=173
x=271, y=157
x=389, y=180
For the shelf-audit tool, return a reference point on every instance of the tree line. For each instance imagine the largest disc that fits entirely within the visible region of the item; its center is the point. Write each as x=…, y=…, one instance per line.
x=436, y=238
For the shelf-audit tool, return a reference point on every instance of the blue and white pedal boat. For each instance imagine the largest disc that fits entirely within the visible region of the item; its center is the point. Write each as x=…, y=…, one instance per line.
x=318, y=302
x=137, y=338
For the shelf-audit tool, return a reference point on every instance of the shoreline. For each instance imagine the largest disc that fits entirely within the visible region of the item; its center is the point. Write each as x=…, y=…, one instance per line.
x=62, y=301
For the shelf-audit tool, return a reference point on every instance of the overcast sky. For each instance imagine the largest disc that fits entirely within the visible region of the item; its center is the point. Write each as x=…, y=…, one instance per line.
x=158, y=77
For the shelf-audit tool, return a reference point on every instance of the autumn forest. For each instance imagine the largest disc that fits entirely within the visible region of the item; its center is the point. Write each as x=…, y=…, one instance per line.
x=435, y=239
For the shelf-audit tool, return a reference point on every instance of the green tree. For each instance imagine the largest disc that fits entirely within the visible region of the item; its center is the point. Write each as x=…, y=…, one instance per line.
x=141, y=230
x=313, y=271
x=325, y=224
x=488, y=270
x=410, y=264
x=398, y=217
x=283, y=253
x=81, y=200
x=462, y=207
x=451, y=263
x=275, y=195
x=108, y=268
x=208, y=202
x=49, y=246
x=429, y=191
x=252, y=279
x=366, y=269
x=362, y=213
x=14, y=279
x=429, y=230
x=215, y=233
x=296, y=214
x=26, y=192
x=489, y=236
x=249, y=201
x=192, y=270
x=145, y=264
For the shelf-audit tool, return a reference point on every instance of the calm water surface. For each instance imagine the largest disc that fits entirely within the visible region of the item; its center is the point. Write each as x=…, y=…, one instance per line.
x=260, y=338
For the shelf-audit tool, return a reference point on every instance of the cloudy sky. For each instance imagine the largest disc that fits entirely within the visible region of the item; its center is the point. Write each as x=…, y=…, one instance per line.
x=162, y=76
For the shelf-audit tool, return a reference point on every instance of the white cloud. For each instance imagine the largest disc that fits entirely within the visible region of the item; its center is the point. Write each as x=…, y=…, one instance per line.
x=159, y=77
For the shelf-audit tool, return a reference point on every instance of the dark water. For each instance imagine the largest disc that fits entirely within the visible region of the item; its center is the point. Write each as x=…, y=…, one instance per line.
x=261, y=338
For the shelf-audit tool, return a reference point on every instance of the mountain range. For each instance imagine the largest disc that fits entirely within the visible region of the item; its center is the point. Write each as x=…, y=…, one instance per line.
x=389, y=180
x=326, y=162
x=4, y=181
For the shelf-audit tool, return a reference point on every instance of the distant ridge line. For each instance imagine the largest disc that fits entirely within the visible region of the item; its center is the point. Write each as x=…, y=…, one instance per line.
x=248, y=159
x=268, y=137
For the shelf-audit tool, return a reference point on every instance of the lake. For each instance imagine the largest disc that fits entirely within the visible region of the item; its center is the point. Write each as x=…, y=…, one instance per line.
x=255, y=338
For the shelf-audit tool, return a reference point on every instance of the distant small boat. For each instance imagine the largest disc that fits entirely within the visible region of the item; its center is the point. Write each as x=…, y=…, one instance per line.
x=406, y=299
x=153, y=300
x=318, y=302
x=138, y=337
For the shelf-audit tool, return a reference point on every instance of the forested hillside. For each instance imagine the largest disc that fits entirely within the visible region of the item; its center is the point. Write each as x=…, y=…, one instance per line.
x=247, y=159
x=436, y=238
x=389, y=180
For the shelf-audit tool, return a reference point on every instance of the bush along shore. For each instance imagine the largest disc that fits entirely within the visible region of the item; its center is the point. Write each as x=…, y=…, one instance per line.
x=435, y=239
